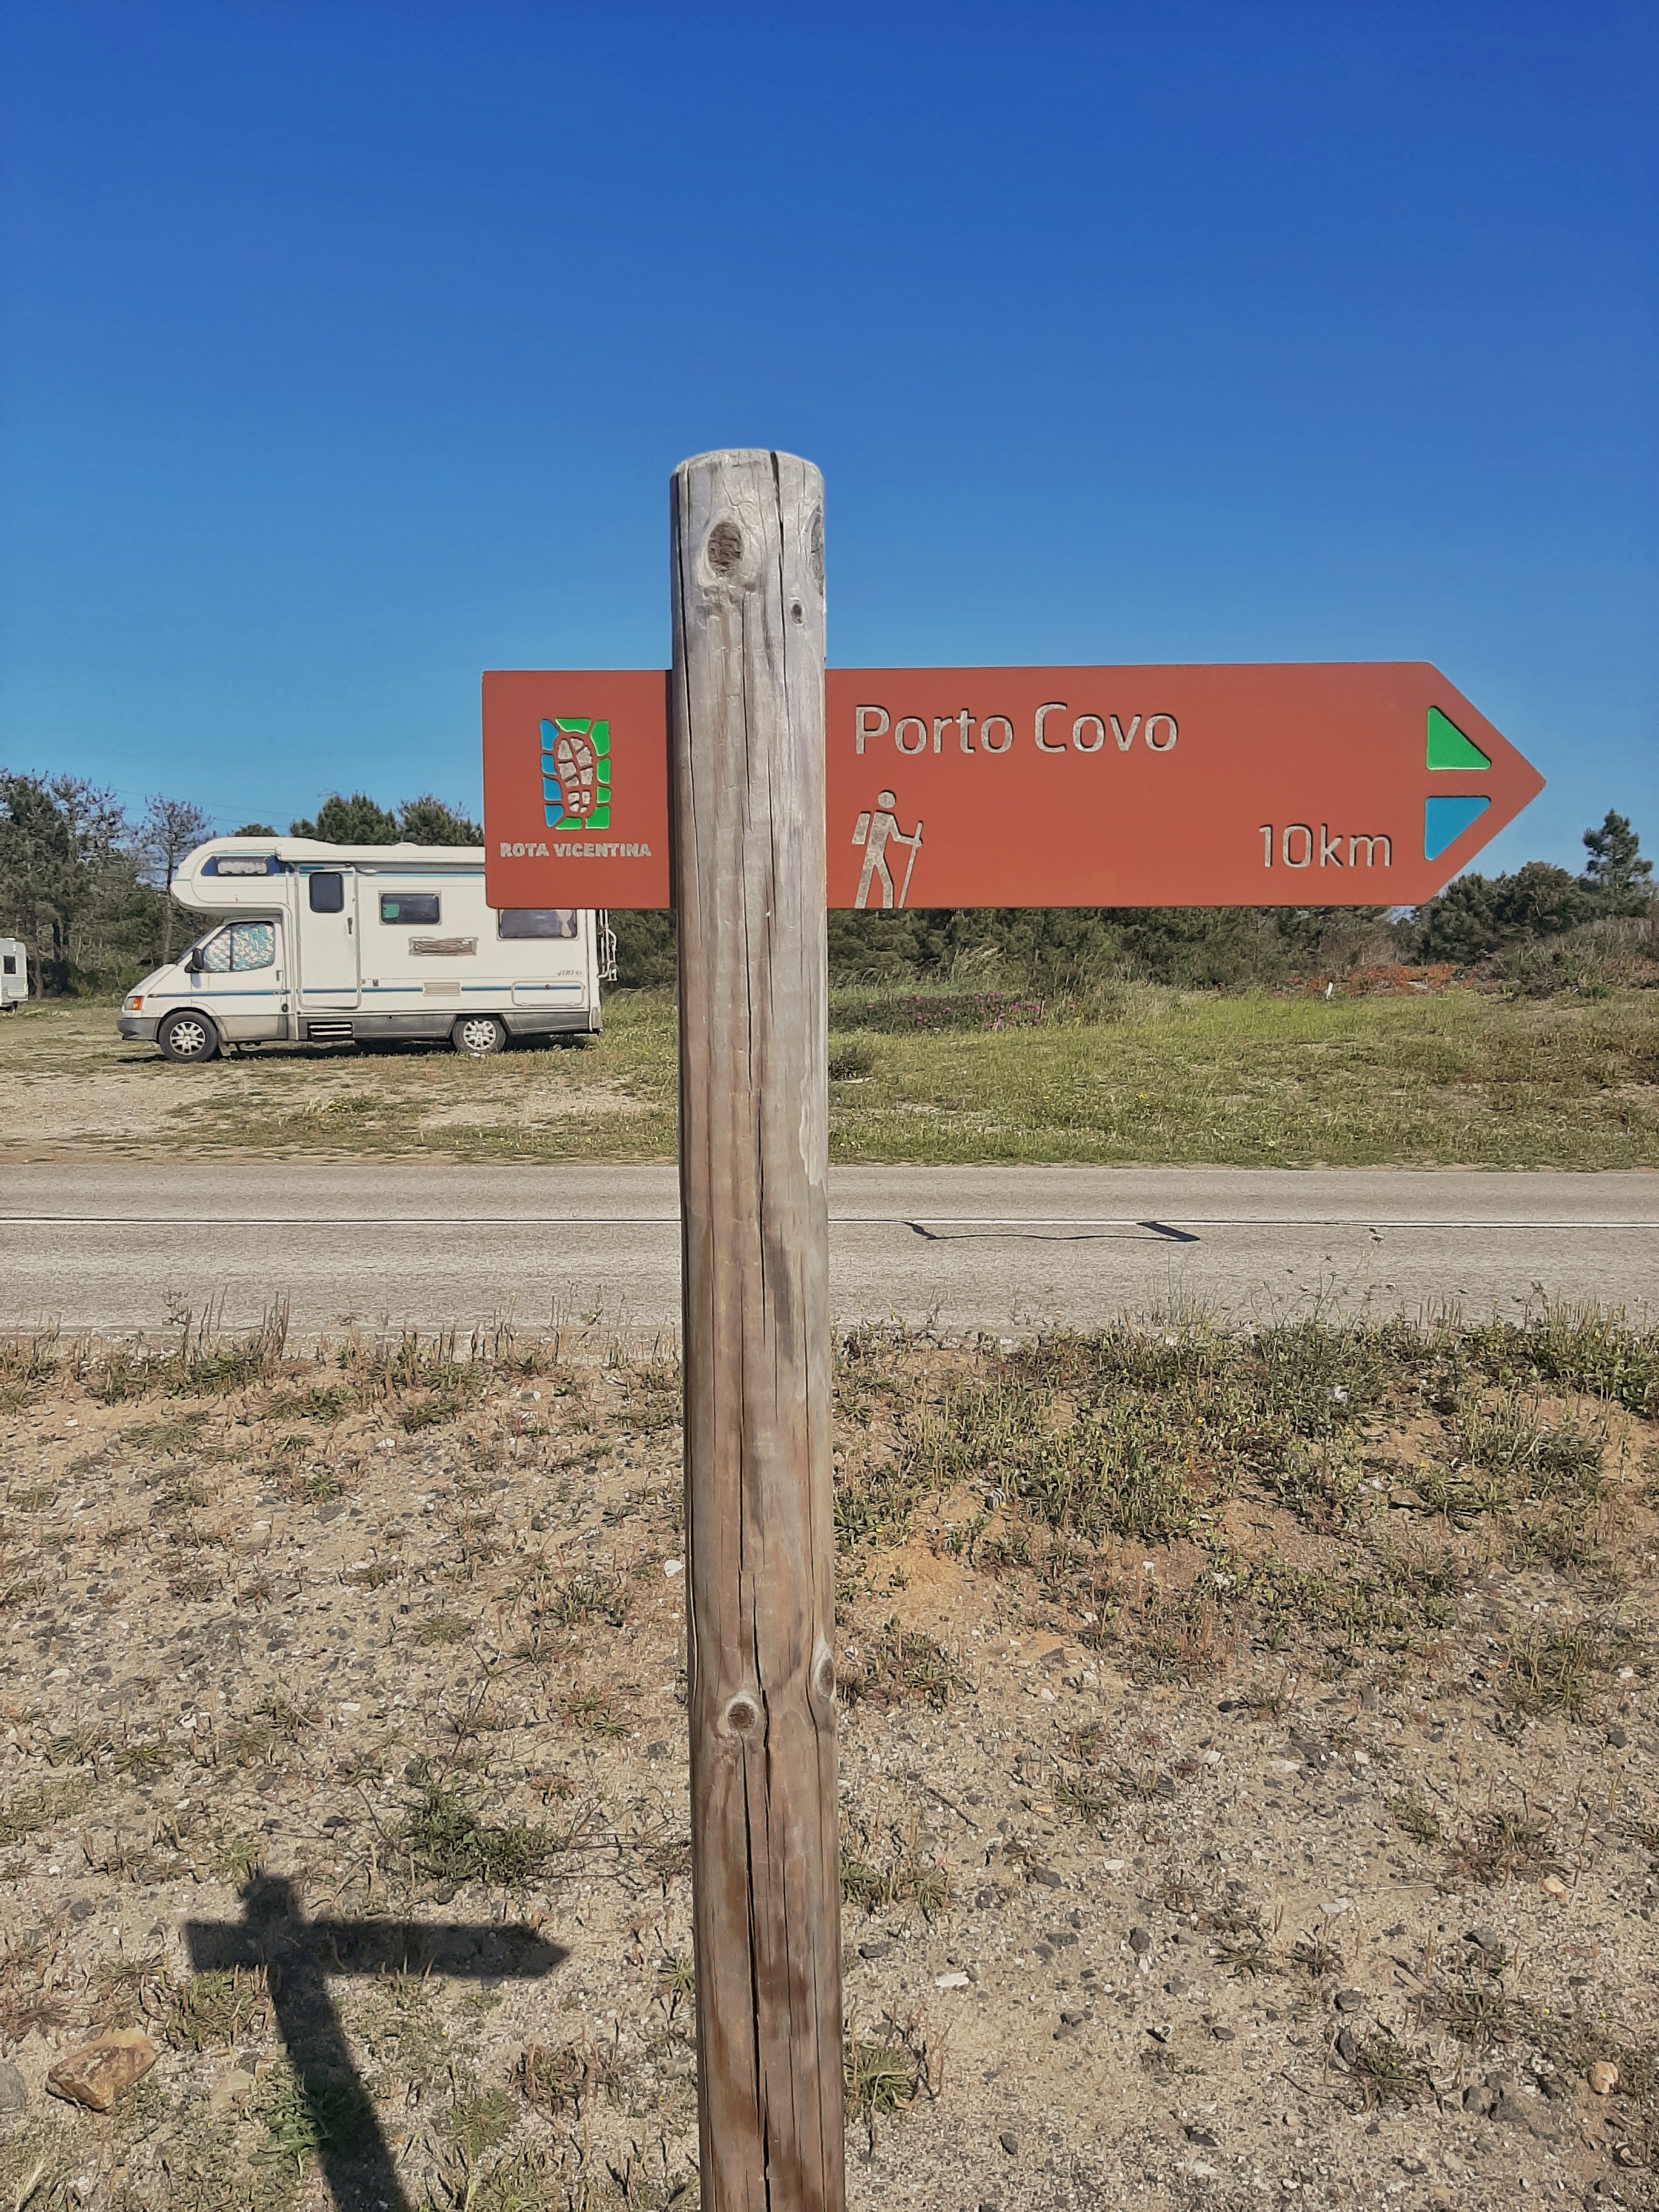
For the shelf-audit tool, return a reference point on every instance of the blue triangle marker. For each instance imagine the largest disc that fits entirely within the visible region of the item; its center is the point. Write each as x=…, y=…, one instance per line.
x=1444, y=821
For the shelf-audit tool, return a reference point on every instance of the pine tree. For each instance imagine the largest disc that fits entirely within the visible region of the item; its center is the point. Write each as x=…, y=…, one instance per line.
x=354, y=821
x=1615, y=875
x=428, y=821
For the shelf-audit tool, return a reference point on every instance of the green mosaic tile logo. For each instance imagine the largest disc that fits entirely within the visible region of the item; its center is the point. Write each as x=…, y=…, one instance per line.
x=576, y=774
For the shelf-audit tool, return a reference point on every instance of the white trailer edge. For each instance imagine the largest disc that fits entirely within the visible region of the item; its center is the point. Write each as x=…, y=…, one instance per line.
x=349, y=943
x=14, y=974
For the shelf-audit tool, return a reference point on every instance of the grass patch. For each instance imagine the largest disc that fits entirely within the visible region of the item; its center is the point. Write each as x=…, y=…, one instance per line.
x=444, y=1840
x=884, y=2076
x=878, y=1879
x=1477, y=2009
x=1315, y=1955
x=587, y=1595
x=306, y=2113
x=1500, y=1847
x=120, y=1986
x=477, y=2120
x=555, y=2079
x=595, y=1714
x=1239, y=1942
x=900, y=1667
x=851, y=1060
x=27, y=1811
x=1462, y=1078
x=1553, y=1670
x=273, y=1724
x=442, y=1629
x=221, y=2007
x=1082, y=1798
x=1387, y=2073
x=1408, y=1812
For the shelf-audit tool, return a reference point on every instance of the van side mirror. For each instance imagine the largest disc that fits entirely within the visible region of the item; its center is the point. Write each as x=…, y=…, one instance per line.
x=194, y=961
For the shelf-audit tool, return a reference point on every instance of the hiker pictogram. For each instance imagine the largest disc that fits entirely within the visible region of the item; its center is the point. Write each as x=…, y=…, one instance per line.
x=876, y=832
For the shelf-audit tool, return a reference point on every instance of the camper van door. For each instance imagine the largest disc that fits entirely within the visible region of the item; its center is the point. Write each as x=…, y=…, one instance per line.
x=328, y=938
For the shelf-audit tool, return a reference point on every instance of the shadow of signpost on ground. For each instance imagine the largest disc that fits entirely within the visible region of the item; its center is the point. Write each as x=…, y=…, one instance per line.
x=300, y=1954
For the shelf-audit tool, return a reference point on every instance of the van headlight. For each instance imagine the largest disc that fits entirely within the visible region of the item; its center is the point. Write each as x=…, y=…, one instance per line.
x=135, y=1004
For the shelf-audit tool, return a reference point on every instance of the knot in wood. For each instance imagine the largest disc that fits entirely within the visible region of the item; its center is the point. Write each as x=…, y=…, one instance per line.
x=824, y=1677
x=742, y=1715
x=725, y=548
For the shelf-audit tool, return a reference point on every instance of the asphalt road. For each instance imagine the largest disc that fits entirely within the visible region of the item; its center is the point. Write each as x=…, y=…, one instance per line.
x=130, y=1246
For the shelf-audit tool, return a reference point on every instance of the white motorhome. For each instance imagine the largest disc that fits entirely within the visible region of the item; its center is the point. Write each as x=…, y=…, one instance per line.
x=347, y=944
x=14, y=973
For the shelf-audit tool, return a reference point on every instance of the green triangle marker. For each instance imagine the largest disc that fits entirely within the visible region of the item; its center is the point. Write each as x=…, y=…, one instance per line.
x=1450, y=748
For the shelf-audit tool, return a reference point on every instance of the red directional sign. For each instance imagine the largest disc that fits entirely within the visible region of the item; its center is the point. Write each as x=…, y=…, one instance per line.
x=1361, y=784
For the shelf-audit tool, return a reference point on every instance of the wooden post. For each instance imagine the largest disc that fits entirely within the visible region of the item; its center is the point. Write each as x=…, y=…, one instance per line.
x=746, y=738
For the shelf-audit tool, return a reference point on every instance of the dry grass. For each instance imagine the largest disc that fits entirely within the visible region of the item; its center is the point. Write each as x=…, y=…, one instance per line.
x=1149, y=1075
x=1075, y=1572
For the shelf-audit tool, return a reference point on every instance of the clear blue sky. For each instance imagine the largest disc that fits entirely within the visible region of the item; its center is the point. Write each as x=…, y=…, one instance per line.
x=347, y=349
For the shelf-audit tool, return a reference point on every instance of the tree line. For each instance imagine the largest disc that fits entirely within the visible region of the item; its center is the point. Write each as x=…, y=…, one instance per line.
x=86, y=888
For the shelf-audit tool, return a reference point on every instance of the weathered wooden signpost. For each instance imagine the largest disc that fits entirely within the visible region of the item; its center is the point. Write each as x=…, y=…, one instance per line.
x=746, y=723
x=751, y=792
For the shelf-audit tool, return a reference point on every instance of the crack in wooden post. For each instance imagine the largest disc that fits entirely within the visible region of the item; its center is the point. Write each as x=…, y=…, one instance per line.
x=747, y=747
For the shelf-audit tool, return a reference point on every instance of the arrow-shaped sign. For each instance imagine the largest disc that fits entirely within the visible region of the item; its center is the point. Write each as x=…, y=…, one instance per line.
x=1350, y=784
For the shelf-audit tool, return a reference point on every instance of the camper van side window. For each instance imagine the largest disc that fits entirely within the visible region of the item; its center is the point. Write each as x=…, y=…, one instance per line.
x=538, y=921
x=216, y=954
x=253, y=945
x=420, y=908
x=12, y=963
x=327, y=894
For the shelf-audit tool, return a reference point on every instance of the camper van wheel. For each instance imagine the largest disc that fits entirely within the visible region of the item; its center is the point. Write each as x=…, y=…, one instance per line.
x=478, y=1034
x=188, y=1037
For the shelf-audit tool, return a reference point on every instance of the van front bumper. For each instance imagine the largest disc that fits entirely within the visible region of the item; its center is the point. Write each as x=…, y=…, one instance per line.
x=142, y=1027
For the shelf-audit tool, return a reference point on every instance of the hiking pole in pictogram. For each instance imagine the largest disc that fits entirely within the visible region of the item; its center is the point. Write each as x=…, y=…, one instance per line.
x=915, y=847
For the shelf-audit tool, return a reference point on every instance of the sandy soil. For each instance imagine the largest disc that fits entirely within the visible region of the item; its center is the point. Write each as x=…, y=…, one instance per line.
x=342, y=1743
x=322, y=1108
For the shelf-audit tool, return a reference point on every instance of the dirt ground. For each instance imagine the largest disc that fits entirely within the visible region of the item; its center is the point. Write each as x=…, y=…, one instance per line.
x=70, y=1088
x=1250, y=1770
